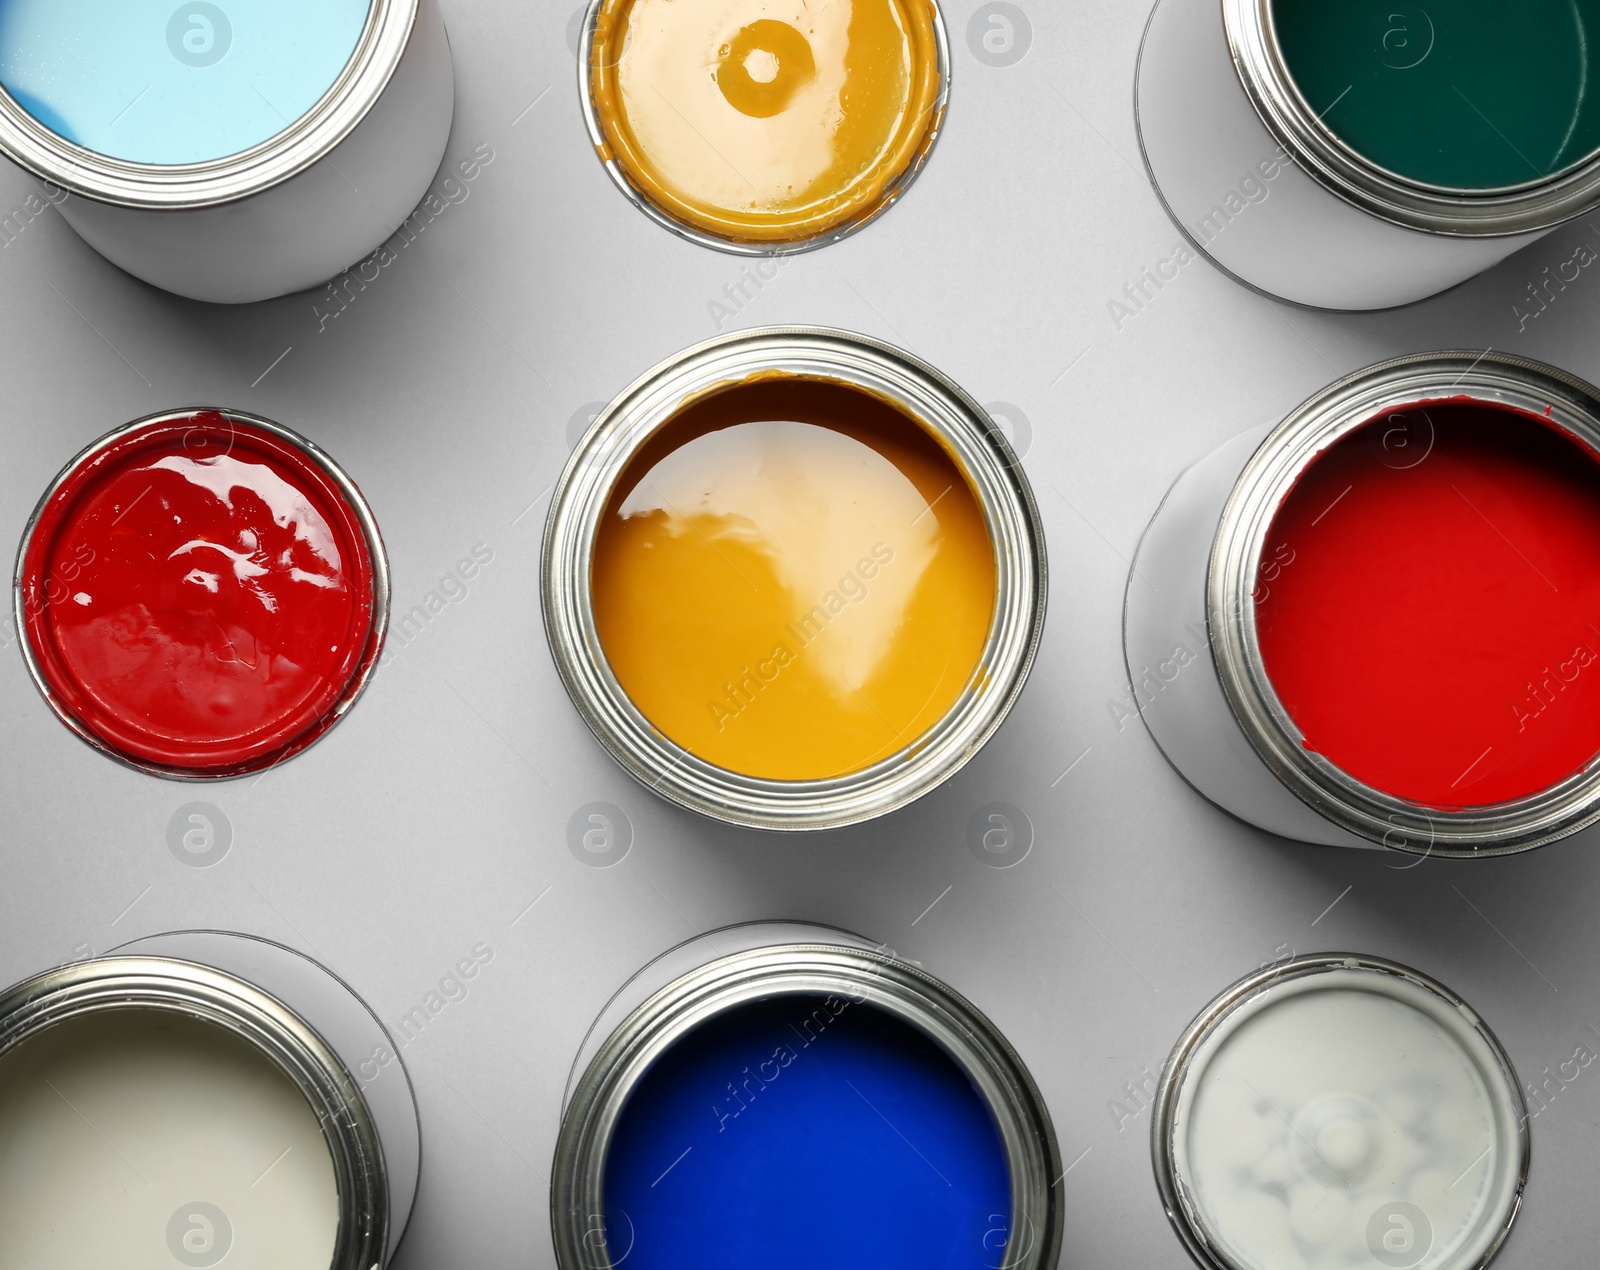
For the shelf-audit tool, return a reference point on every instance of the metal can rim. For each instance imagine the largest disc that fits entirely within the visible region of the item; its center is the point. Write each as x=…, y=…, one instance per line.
x=866, y=976
x=941, y=407
x=1291, y=447
x=380, y=592
x=269, y=1025
x=216, y=182
x=1295, y=124
x=1174, y=1198
x=743, y=247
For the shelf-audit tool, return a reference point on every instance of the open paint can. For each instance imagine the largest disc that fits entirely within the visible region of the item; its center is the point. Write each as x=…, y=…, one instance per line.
x=793, y=578
x=228, y=153
x=201, y=593
x=763, y=129
x=775, y=1087
x=1338, y=1110
x=200, y=1098
x=1364, y=155
x=1375, y=622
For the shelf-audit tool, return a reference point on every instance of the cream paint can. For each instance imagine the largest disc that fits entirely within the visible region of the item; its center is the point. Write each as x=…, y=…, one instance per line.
x=214, y=1097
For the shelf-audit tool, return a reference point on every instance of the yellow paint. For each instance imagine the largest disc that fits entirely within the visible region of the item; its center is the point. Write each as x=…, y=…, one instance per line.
x=766, y=120
x=793, y=580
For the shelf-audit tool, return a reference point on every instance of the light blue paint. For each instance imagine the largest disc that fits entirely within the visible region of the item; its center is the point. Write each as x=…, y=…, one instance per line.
x=152, y=81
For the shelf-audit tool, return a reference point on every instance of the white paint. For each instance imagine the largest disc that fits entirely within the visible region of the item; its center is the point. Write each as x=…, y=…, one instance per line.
x=1326, y=1098
x=112, y=1123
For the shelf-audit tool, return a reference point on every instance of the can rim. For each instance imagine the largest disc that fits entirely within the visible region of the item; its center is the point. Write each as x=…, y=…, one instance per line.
x=360, y=677
x=163, y=186
x=891, y=195
x=1010, y=514
x=1336, y=165
x=1181, y=1211
x=1568, y=404
x=213, y=996
x=859, y=975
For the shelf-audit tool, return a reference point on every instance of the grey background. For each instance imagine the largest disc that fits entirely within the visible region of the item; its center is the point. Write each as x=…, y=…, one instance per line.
x=435, y=818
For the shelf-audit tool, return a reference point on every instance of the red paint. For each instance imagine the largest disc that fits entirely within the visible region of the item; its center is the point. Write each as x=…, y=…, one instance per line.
x=1433, y=626
x=199, y=596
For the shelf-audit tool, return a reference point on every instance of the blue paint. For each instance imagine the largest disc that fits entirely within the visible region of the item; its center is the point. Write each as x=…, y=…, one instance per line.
x=159, y=81
x=802, y=1133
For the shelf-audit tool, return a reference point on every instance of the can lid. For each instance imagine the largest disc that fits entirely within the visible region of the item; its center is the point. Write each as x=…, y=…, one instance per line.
x=201, y=594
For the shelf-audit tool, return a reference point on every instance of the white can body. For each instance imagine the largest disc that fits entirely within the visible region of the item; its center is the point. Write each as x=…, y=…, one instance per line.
x=1237, y=195
x=1165, y=635
x=297, y=232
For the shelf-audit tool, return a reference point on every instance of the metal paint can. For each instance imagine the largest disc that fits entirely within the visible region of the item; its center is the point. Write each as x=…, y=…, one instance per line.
x=301, y=1018
x=1191, y=640
x=1264, y=189
x=594, y=80
x=757, y=962
x=1335, y=1142
x=283, y=215
x=201, y=436
x=943, y=410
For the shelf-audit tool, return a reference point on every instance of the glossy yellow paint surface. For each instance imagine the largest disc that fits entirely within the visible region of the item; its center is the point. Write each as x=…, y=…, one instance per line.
x=793, y=580
x=766, y=120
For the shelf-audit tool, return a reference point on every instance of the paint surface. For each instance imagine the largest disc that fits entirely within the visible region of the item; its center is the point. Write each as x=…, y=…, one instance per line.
x=200, y=596
x=1344, y=1125
x=154, y=81
x=793, y=580
x=148, y=1140
x=1429, y=601
x=1463, y=94
x=766, y=119
x=804, y=1132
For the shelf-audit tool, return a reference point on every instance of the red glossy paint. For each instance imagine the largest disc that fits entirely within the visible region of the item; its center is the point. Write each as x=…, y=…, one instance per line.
x=199, y=596
x=1430, y=617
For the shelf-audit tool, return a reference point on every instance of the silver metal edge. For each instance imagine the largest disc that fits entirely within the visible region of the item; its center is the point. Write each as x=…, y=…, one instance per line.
x=1329, y=414
x=270, y=1026
x=1173, y=1197
x=304, y=142
x=738, y=247
x=573, y=1072
x=1195, y=243
x=1389, y=196
x=357, y=1002
x=1011, y=516
x=938, y=1011
x=367, y=667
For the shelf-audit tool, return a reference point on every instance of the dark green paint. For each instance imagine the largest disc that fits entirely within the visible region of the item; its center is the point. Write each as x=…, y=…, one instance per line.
x=1465, y=94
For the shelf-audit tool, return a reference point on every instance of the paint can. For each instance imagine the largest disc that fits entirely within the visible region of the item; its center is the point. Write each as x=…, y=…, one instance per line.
x=761, y=217
x=317, y=192
x=839, y=988
x=1302, y=192
x=947, y=424
x=1335, y=1109
x=193, y=1053
x=201, y=593
x=1235, y=537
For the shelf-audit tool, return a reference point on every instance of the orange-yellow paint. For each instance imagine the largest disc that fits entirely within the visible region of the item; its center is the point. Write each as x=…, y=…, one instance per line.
x=793, y=579
x=766, y=120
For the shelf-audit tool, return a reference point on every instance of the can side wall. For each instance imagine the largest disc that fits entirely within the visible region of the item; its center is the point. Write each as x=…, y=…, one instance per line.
x=341, y=1018
x=301, y=232
x=1204, y=146
x=1189, y=718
